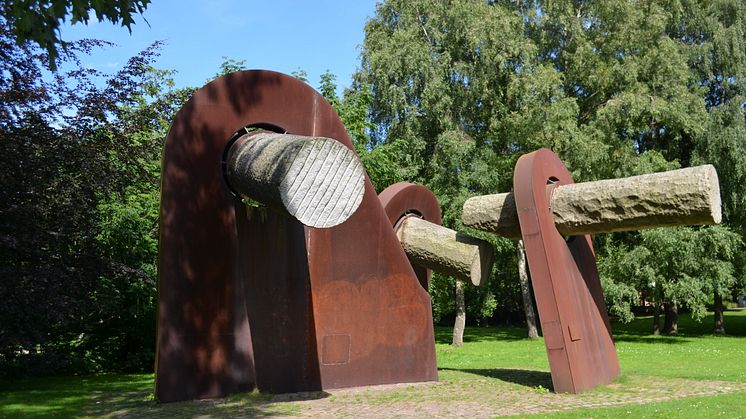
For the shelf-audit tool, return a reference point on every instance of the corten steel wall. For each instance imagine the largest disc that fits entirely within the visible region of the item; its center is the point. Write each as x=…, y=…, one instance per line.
x=569, y=298
x=252, y=298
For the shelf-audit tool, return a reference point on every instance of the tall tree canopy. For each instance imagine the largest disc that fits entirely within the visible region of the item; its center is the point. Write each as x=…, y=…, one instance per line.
x=79, y=178
x=461, y=88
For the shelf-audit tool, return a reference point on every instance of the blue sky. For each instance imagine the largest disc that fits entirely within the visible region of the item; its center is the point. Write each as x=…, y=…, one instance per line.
x=280, y=35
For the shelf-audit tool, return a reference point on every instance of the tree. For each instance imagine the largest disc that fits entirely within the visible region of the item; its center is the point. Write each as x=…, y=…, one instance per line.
x=39, y=20
x=229, y=65
x=460, y=89
x=78, y=198
x=528, y=300
x=435, y=74
x=460, y=323
x=672, y=267
x=718, y=248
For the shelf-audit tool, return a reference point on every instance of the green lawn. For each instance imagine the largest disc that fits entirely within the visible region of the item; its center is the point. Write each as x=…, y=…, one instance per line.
x=64, y=396
x=493, y=361
x=722, y=406
x=694, y=353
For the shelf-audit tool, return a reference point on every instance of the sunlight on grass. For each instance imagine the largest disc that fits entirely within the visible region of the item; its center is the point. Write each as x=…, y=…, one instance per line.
x=694, y=353
x=63, y=396
x=497, y=367
x=725, y=406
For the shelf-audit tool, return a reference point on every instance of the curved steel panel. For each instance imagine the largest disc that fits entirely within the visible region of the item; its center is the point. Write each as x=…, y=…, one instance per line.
x=252, y=298
x=569, y=298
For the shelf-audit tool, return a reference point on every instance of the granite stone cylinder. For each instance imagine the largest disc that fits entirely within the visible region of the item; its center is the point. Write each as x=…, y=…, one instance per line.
x=317, y=180
x=443, y=250
x=688, y=196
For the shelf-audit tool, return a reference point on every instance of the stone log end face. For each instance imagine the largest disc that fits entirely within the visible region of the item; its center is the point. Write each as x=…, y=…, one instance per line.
x=493, y=213
x=446, y=251
x=317, y=180
x=688, y=196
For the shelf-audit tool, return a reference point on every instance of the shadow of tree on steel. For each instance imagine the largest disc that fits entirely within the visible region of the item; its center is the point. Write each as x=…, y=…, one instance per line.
x=528, y=378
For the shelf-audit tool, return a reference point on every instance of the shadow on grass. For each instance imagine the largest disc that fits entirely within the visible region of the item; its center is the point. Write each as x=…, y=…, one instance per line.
x=650, y=339
x=526, y=378
x=640, y=329
x=304, y=395
x=637, y=331
x=113, y=395
x=444, y=334
x=252, y=404
x=64, y=396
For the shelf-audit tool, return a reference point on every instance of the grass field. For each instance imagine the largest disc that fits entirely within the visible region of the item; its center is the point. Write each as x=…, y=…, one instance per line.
x=497, y=372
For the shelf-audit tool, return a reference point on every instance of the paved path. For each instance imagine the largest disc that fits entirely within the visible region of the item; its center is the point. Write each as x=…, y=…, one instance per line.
x=459, y=394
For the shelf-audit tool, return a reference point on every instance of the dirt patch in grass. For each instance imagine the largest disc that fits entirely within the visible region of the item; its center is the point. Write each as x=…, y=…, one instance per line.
x=473, y=394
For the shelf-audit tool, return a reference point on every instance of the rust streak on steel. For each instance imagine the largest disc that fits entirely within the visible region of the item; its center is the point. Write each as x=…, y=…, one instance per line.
x=574, y=321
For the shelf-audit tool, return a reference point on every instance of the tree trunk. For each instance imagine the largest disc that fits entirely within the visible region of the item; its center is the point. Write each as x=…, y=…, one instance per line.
x=528, y=300
x=656, y=319
x=460, y=323
x=719, y=321
x=656, y=313
x=671, y=322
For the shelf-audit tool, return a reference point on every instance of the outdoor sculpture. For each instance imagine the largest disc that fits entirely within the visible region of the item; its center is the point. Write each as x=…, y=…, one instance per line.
x=547, y=207
x=280, y=268
x=251, y=297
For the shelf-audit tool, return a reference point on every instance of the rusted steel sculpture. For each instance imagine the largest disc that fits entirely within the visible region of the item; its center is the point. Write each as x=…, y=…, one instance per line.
x=280, y=268
x=554, y=217
x=253, y=298
x=573, y=315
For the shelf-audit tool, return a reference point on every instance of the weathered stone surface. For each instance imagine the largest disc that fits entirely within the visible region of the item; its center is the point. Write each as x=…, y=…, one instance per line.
x=444, y=250
x=317, y=180
x=688, y=196
x=494, y=213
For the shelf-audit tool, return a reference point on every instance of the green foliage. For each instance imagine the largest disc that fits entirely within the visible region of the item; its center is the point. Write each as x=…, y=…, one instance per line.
x=673, y=265
x=725, y=148
x=229, y=65
x=39, y=20
x=442, y=294
x=460, y=90
x=328, y=89
x=623, y=273
x=300, y=74
x=79, y=198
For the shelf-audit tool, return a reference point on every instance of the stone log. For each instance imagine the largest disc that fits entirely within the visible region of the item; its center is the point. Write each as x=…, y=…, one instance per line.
x=688, y=196
x=317, y=180
x=444, y=250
